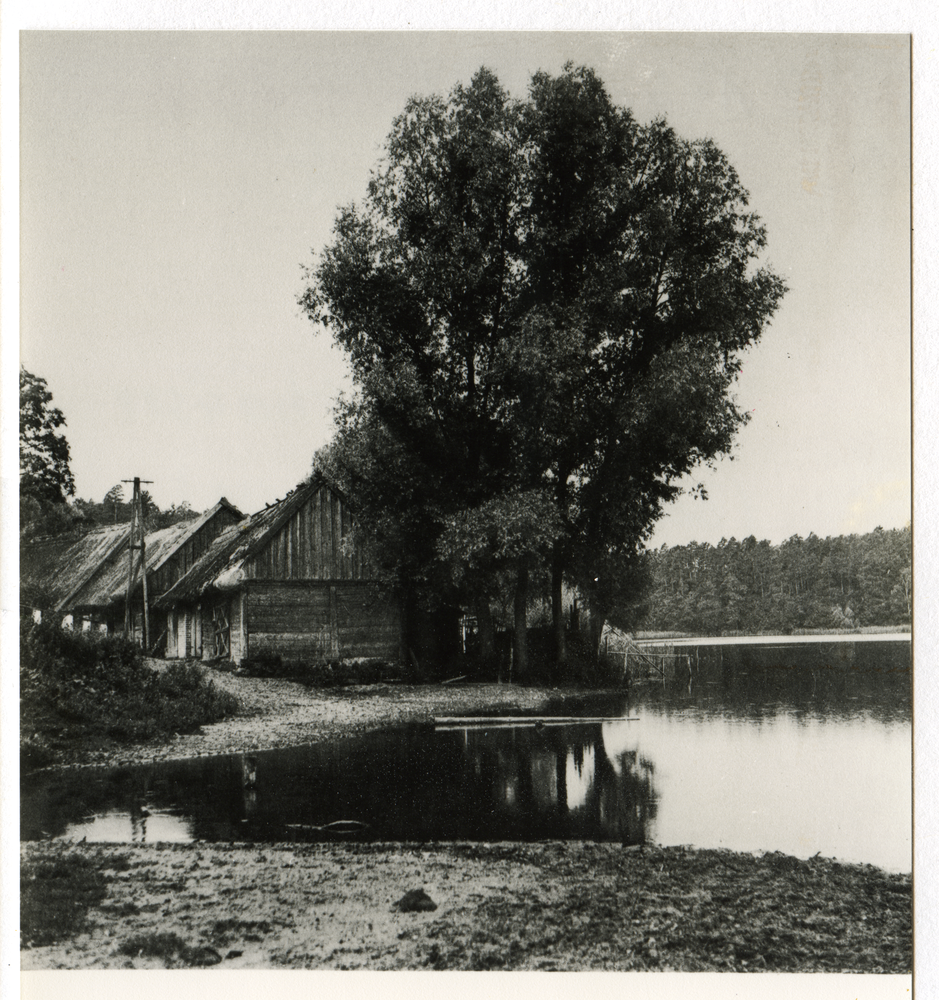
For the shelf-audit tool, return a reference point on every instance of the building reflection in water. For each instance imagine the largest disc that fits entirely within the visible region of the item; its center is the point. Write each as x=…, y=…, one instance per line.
x=498, y=783
x=754, y=721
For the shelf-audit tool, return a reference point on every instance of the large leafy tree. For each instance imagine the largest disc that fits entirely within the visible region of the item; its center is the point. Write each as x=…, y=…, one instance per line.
x=45, y=475
x=544, y=303
x=421, y=287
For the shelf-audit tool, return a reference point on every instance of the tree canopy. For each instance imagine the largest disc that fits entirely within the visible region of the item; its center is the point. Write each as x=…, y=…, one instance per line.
x=544, y=304
x=44, y=452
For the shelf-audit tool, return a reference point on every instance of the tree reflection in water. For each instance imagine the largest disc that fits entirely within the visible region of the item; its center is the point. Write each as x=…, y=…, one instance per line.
x=791, y=709
x=503, y=783
x=559, y=781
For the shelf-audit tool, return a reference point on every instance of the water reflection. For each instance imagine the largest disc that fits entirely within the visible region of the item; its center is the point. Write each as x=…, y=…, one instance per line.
x=836, y=680
x=744, y=754
x=493, y=783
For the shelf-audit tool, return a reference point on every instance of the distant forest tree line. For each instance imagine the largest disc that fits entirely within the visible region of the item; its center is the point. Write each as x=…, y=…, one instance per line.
x=749, y=586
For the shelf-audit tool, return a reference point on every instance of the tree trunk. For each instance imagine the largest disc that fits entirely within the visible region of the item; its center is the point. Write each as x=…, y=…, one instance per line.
x=595, y=624
x=487, y=634
x=557, y=609
x=521, y=622
x=560, y=765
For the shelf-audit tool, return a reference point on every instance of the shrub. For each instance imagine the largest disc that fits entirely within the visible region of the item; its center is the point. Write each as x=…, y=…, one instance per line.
x=264, y=665
x=320, y=673
x=365, y=672
x=74, y=684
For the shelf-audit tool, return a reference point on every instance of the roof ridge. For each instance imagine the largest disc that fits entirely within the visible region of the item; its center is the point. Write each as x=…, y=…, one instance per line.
x=267, y=522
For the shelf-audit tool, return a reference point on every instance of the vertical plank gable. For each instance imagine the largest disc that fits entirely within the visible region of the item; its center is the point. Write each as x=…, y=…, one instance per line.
x=287, y=535
x=311, y=531
x=316, y=542
x=303, y=547
x=346, y=542
x=334, y=526
x=296, y=565
x=324, y=534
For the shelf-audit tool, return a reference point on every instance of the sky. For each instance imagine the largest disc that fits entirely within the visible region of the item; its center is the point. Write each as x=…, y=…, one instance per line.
x=173, y=184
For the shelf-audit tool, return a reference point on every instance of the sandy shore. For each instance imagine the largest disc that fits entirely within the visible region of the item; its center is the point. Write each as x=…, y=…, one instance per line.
x=281, y=713
x=549, y=906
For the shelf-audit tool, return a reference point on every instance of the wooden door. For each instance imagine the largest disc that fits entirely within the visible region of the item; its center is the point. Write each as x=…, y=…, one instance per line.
x=222, y=632
x=181, y=651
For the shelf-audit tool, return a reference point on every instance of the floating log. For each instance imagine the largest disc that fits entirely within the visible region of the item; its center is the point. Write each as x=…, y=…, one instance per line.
x=531, y=720
x=340, y=826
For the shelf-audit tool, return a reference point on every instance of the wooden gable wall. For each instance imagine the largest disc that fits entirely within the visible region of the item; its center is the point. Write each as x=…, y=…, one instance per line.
x=182, y=560
x=315, y=543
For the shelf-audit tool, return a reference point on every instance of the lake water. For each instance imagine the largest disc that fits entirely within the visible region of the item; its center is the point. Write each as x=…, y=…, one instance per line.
x=800, y=751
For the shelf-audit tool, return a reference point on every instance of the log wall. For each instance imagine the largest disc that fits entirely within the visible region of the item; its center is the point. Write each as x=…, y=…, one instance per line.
x=320, y=621
x=369, y=625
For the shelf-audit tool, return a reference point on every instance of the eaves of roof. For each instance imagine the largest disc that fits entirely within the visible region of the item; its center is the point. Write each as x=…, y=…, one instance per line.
x=238, y=543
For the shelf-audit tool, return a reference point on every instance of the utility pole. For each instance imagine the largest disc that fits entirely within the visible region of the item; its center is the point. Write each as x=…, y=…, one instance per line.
x=136, y=543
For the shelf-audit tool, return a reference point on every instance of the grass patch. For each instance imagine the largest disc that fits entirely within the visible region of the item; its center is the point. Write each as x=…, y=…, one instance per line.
x=75, y=685
x=55, y=897
x=704, y=911
x=171, y=948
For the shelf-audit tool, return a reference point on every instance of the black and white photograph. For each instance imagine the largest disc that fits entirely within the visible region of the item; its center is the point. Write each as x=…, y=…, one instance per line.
x=465, y=502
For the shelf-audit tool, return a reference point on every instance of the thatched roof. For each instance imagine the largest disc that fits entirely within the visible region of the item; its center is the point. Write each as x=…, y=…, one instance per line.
x=52, y=570
x=109, y=584
x=220, y=566
x=92, y=572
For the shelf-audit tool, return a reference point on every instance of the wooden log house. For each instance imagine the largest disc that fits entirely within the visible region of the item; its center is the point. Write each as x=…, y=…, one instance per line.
x=87, y=580
x=291, y=581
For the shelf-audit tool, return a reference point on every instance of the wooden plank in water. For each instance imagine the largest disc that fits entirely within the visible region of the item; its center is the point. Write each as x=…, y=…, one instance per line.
x=532, y=720
x=774, y=640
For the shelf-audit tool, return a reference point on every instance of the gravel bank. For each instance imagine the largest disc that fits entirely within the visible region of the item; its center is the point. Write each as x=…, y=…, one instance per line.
x=281, y=713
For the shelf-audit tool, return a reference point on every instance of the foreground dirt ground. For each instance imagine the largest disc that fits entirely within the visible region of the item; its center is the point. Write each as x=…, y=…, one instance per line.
x=498, y=906
x=545, y=906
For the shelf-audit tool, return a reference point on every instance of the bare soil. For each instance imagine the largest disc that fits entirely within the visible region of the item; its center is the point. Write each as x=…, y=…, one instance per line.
x=563, y=906
x=544, y=906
